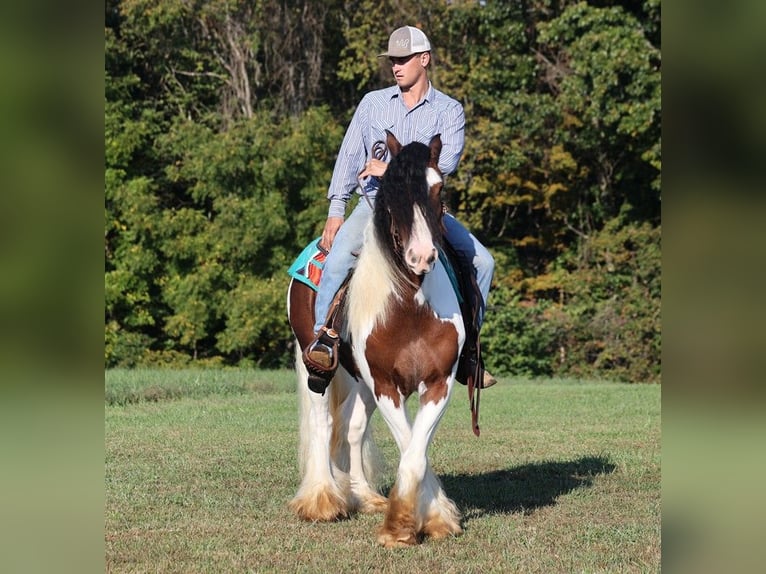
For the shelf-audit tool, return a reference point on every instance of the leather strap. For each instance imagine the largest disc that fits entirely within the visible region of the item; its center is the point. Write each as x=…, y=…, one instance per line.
x=475, y=381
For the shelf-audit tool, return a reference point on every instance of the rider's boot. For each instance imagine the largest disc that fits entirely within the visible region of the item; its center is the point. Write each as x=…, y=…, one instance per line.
x=487, y=380
x=321, y=359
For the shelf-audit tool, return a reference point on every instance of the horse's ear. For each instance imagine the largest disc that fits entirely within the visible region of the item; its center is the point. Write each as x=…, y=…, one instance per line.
x=393, y=144
x=436, y=148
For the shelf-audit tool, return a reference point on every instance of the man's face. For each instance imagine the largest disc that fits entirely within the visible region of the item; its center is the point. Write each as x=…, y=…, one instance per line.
x=408, y=69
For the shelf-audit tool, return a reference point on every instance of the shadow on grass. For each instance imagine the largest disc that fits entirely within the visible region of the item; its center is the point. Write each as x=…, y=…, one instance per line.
x=523, y=488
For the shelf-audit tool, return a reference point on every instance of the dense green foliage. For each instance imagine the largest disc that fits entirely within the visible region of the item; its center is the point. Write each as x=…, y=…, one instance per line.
x=223, y=118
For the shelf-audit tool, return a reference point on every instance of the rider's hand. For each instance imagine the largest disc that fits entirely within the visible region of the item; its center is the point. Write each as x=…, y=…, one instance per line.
x=331, y=227
x=373, y=167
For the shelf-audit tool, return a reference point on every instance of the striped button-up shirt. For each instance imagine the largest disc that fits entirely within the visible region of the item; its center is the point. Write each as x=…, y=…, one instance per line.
x=383, y=110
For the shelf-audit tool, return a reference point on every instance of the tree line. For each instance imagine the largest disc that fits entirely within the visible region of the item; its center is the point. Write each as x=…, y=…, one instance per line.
x=223, y=118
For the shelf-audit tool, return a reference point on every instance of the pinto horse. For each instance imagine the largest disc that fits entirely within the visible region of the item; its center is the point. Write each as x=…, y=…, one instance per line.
x=402, y=333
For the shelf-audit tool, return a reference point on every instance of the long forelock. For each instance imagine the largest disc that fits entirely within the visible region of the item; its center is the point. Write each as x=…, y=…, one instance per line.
x=406, y=184
x=377, y=277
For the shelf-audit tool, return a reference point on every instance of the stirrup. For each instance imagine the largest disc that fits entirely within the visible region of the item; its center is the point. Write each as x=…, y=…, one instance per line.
x=320, y=375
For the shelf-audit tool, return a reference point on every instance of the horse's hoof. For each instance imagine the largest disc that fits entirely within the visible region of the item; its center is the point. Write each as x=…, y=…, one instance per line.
x=440, y=529
x=374, y=504
x=319, y=506
x=402, y=540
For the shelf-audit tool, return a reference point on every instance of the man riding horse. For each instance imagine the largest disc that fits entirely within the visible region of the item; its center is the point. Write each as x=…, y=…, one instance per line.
x=413, y=110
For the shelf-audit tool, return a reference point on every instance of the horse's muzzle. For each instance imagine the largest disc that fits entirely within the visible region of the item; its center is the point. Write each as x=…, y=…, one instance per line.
x=421, y=262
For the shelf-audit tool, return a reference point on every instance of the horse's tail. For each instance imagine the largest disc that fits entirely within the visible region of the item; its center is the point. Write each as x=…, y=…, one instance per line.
x=304, y=410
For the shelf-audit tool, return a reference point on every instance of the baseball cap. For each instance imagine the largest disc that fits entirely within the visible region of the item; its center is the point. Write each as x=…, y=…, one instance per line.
x=405, y=41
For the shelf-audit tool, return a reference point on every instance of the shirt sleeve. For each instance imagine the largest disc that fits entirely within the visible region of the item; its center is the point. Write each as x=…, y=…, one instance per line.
x=349, y=163
x=453, y=137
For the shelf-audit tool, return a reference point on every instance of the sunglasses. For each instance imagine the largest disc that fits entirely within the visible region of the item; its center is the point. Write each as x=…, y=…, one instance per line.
x=401, y=61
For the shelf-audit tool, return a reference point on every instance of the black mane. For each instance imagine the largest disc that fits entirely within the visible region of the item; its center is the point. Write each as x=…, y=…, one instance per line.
x=403, y=186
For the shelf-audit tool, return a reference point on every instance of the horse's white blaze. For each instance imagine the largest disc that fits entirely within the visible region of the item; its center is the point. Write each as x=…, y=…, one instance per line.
x=420, y=253
x=433, y=177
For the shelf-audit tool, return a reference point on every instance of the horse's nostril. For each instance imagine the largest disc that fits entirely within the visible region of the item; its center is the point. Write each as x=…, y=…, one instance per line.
x=432, y=258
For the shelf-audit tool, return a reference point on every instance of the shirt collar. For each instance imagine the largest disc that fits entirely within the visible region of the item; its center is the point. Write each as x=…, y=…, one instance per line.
x=429, y=97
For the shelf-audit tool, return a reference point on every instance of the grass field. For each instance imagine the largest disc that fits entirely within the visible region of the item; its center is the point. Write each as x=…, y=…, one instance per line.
x=200, y=466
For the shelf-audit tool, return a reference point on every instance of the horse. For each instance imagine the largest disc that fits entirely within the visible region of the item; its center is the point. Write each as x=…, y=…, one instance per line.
x=402, y=334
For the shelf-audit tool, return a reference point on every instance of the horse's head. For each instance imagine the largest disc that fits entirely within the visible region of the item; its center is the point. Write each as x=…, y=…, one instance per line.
x=408, y=204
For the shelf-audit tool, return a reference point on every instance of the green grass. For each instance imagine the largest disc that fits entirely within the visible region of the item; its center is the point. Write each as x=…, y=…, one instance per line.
x=124, y=386
x=565, y=478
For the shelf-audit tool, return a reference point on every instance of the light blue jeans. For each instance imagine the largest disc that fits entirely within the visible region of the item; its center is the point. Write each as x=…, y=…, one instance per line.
x=349, y=241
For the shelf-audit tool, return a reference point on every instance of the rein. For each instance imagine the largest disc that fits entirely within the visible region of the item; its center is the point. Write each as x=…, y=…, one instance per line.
x=379, y=151
x=474, y=394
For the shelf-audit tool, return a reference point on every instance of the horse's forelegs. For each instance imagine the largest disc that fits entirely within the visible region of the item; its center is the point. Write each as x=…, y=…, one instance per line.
x=441, y=515
x=400, y=526
x=418, y=512
x=363, y=456
x=402, y=523
x=417, y=504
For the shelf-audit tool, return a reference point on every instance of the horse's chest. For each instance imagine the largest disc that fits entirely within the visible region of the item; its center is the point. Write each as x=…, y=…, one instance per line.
x=413, y=346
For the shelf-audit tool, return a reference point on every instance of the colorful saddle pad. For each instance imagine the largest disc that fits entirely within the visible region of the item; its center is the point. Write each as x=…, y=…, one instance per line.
x=307, y=268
